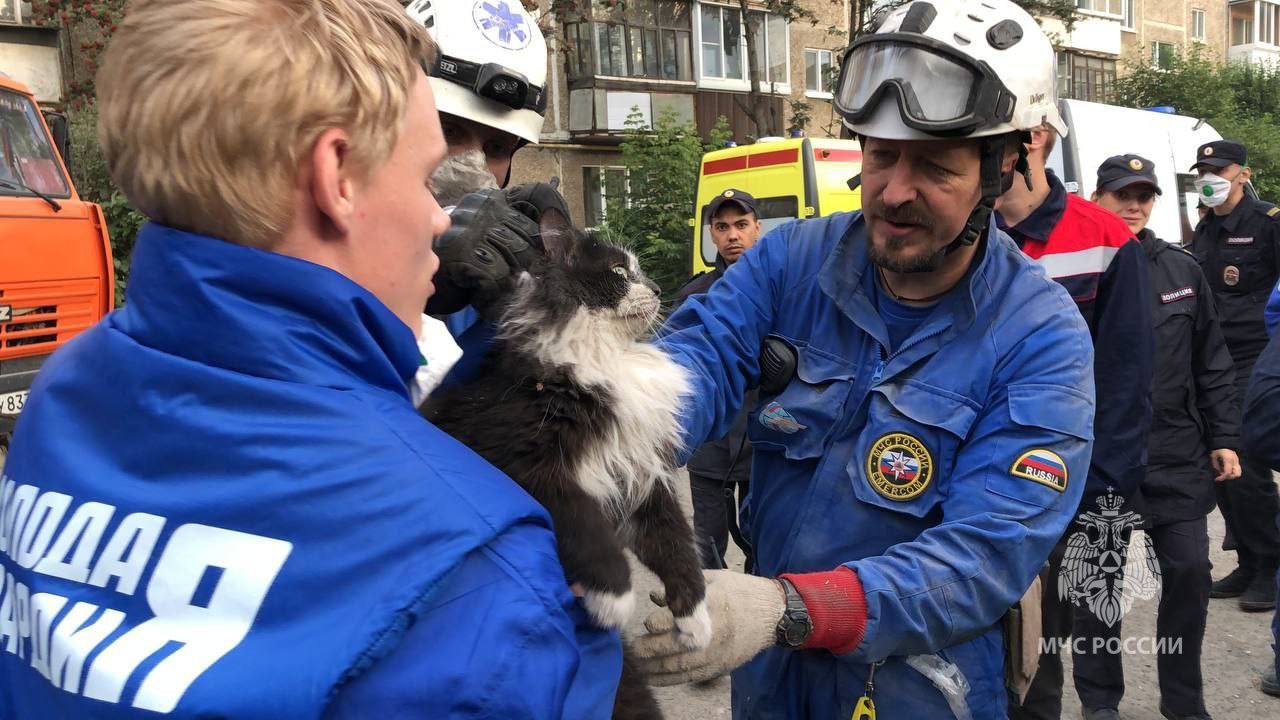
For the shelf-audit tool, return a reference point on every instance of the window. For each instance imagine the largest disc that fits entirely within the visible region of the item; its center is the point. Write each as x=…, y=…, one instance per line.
x=9, y=10
x=1128, y=15
x=1110, y=7
x=653, y=41
x=611, y=40
x=1197, y=25
x=1082, y=77
x=1242, y=24
x=26, y=157
x=1268, y=23
x=818, y=71
x=602, y=187
x=724, y=45
x=1163, y=54
x=771, y=46
x=722, y=42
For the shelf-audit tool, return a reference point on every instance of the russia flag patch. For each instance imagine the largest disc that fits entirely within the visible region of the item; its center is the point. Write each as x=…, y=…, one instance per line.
x=1043, y=466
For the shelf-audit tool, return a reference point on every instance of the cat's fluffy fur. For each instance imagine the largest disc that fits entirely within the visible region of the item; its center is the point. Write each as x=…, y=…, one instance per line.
x=576, y=407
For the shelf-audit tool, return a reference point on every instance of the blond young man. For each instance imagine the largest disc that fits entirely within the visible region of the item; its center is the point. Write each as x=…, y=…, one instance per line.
x=221, y=502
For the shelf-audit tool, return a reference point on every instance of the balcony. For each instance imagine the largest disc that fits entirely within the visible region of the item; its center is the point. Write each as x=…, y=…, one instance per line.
x=1255, y=32
x=1098, y=34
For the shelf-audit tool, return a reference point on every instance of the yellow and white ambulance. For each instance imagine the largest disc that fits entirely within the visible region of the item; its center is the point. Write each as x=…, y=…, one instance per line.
x=789, y=178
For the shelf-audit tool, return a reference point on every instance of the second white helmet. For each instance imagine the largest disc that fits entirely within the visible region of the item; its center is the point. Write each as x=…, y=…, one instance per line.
x=950, y=68
x=492, y=67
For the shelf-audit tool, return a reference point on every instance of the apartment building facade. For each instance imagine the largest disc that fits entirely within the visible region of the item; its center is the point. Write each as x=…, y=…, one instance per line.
x=685, y=57
x=1110, y=33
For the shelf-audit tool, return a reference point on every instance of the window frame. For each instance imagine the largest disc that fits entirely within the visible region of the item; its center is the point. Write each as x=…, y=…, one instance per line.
x=1155, y=53
x=1098, y=83
x=1087, y=7
x=590, y=62
x=1265, y=9
x=722, y=81
x=1199, y=25
x=1246, y=24
x=1129, y=15
x=818, y=92
x=602, y=192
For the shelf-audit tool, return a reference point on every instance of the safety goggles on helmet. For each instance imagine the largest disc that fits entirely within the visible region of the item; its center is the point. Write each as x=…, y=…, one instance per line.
x=939, y=89
x=492, y=81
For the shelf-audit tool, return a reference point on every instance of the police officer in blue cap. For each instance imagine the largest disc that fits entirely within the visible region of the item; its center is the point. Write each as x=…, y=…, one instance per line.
x=1238, y=247
x=1195, y=430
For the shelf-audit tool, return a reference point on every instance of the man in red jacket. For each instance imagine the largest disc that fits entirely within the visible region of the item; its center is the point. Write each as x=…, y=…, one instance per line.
x=1093, y=254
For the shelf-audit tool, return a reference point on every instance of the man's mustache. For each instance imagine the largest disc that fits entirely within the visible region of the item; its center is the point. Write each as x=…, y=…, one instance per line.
x=905, y=214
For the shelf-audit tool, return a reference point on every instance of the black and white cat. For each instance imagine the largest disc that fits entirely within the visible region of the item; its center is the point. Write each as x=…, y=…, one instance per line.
x=575, y=406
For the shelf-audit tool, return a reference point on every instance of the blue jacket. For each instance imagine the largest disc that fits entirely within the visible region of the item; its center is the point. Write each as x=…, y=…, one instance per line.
x=942, y=473
x=1271, y=313
x=221, y=503
x=1261, y=434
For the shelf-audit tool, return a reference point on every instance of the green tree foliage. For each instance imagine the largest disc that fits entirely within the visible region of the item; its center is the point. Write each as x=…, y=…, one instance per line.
x=662, y=164
x=1241, y=101
x=93, y=182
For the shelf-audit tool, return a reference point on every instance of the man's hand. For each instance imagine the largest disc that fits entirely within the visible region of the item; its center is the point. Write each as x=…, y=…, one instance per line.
x=745, y=611
x=535, y=198
x=485, y=246
x=1226, y=463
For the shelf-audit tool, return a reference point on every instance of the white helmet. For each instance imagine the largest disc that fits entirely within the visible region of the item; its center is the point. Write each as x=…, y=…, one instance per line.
x=493, y=62
x=950, y=68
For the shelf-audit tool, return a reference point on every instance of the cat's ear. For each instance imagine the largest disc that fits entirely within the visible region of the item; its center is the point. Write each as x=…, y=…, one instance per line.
x=559, y=238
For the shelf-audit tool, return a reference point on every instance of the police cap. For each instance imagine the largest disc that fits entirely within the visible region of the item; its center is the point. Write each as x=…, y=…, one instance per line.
x=1220, y=153
x=1124, y=170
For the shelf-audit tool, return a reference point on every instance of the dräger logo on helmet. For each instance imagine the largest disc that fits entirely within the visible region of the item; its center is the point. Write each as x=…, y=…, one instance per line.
x=501, y=24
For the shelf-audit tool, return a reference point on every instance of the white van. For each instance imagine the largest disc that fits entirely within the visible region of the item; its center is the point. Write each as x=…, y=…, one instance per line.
x=1168, y=140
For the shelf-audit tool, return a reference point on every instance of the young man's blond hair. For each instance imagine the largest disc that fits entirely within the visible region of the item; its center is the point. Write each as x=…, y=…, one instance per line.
x=208, y=109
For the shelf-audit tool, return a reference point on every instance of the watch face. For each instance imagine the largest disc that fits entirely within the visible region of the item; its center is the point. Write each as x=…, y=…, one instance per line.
x=798, y=627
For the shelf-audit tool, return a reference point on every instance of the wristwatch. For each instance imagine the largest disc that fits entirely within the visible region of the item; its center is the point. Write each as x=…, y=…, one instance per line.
x=795, y=627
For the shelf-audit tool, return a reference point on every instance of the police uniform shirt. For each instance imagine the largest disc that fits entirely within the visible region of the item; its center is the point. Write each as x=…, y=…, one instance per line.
x=1193, y=396
x=1239, y=256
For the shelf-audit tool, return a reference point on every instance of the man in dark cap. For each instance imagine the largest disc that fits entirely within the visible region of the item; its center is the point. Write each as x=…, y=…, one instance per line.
x=721, y=466
x=1194, y=432
x=1236, y=246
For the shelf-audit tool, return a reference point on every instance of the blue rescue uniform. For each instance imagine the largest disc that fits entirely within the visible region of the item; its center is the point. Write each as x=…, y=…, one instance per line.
x=941, y=471
x=220, y=503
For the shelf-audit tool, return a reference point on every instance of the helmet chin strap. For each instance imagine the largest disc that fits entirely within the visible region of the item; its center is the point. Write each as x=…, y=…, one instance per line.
x=995, y=182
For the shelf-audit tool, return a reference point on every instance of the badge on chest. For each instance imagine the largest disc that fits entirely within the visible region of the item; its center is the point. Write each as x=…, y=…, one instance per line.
x=899, y=466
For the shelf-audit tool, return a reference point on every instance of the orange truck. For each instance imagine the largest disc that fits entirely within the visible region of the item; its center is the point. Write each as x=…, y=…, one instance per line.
x=57, y=276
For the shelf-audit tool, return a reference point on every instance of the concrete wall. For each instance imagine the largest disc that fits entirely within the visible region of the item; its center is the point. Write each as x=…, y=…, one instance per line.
x=1170, y=21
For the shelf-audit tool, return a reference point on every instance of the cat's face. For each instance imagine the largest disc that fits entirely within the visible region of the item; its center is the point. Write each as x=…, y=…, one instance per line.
x=585, y=285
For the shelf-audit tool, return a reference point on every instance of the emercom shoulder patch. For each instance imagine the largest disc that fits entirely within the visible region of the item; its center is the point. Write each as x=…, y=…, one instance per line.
x=1043, y=466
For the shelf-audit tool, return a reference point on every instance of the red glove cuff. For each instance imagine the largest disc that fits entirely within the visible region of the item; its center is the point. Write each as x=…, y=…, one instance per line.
x=837, y=606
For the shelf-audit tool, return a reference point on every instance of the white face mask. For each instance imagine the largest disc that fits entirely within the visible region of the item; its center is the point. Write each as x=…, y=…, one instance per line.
x=1213, y=190
x=439, y=354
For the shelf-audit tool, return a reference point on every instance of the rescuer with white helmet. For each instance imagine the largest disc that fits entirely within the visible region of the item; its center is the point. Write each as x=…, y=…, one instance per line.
x=923, y=425
x=490, y=79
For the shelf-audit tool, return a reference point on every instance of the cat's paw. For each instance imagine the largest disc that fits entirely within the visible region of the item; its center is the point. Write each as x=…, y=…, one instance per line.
x=610, y=610
x=694, y=630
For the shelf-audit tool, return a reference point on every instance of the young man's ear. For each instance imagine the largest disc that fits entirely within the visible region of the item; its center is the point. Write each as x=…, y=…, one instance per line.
x=330, y=185
x=1094, y=197
x=1039, y=139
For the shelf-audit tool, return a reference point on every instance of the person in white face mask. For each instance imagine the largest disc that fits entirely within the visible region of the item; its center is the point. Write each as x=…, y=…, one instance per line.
x=1238, y=246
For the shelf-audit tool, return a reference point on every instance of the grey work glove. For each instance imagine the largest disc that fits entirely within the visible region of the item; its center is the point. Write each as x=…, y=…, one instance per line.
x=745, y=611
